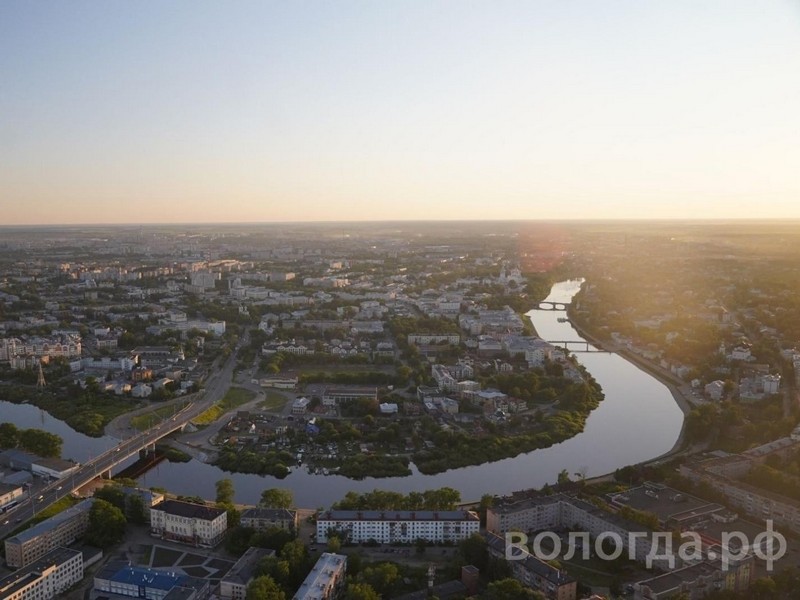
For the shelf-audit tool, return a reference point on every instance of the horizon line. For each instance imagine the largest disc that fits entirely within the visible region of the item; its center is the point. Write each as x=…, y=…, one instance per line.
x=719, y=220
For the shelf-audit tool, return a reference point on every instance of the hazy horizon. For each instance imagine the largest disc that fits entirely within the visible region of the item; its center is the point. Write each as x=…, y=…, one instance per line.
x=245, y=112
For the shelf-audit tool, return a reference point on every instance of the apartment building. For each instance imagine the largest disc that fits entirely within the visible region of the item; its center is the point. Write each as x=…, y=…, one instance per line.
x=46, y=577
x=188, y=523
x=554, y=583
x=326, y=580
x=529, y=513
x=402, y=526
x=59, y=530
x=233, y=586
x=267, y=518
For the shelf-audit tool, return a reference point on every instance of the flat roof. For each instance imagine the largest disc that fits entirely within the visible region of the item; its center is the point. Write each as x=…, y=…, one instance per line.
x=268, y=513
x=674, y=579
x=22, y=577
x=245, y=568
x=52, y=522
x=399, y=515
x=665, y=502
x=321, y=574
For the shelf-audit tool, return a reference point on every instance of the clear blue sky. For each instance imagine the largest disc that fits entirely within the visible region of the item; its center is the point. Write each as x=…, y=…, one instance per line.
x=176, y=111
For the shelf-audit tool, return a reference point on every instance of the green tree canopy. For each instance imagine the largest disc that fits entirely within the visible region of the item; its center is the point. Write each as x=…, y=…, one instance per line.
x=264, y=588
x=225, y=491
x=276, y=498
x=361, y=591
x=511, y=589
x=106, y=525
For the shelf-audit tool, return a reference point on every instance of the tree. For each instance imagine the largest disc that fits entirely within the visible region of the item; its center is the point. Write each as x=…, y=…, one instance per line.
x=334, y=544
x=8, y=435
x=563, y=477
x=136, y=510
x=225, y=491
x=106, y=525
x=382, y=577
x=40, y=442
x=361, y=591
x=511, y=589
x=264, y=588
x=112, y=494
x=276, y=498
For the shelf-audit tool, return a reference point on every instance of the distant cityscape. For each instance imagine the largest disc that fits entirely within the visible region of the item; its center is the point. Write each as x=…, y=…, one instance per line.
x=384, y=351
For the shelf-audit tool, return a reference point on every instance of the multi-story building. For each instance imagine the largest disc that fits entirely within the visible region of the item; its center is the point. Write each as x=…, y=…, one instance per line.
x=188, y=523
x=59, y=530
x=424, y=339
x=696, y=581
x=326, y=580
x=333, y=395
x=554, y=583
x=233, y=586
x=10, y=495
x=118, y=580
x=392, y=526
x=536, y=512
x=47, y=577
x=268, y=518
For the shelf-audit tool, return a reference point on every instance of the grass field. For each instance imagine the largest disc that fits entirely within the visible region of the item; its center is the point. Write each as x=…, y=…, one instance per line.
x=274, y=401
x=147, y=420
x=235, y=397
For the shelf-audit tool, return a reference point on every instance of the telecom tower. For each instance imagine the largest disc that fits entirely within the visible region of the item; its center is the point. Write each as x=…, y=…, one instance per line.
x=40, y=382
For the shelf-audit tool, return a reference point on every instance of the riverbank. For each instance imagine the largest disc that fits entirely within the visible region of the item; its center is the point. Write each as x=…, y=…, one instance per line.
x=664, y=377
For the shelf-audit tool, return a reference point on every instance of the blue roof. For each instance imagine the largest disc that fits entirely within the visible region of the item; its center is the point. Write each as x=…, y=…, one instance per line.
x=149, y=578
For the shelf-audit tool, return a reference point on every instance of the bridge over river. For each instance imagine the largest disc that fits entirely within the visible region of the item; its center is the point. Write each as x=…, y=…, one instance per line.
x=101, y=465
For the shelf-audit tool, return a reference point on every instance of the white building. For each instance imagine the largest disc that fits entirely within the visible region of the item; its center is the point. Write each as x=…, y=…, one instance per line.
x=325, y=580
x=392, y=526
x=188, y=523
x=48, y=577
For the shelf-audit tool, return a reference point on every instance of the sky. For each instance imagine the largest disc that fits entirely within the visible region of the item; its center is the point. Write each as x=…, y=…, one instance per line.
x=198, y=111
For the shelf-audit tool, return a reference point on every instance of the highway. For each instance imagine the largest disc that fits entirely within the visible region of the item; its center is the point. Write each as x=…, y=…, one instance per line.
x=217, y=386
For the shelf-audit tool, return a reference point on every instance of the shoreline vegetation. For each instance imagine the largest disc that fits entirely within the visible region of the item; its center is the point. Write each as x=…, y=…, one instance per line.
x=671, y=382
x=454, y=448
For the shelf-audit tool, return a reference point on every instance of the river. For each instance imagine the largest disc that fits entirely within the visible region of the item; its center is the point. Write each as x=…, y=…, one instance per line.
x=638, y=420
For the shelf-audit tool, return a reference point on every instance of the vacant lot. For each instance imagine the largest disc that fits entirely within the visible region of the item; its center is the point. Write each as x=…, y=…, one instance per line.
x=235, y=397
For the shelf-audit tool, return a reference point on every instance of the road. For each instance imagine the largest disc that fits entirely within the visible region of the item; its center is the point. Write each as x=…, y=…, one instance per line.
x=130, y=444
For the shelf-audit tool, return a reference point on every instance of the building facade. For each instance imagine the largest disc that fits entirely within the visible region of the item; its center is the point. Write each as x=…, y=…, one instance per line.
x=188, y=523
x=268, y=518
x=59, y=530
x=402, y=526
x=45, y=578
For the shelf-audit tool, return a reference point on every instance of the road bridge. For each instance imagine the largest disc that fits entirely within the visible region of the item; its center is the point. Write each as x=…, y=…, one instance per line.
x=100, y=466
x=577, y=346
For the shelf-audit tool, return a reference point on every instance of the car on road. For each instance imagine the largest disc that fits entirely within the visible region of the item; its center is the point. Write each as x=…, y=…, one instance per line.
x=40, y=498
x=5, y=522
x=59, y=488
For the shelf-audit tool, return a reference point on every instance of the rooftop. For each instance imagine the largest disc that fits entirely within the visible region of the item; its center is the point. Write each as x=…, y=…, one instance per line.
x=399, y=515
x=52, y=522
x=189, y=510
x=22, y=577
x=321, y=575
x=244, y=569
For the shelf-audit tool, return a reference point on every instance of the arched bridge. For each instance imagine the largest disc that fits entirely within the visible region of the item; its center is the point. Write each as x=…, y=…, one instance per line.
x=547, y=305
